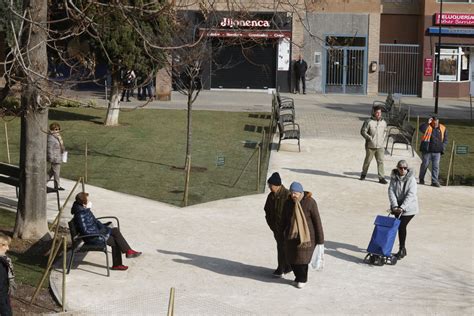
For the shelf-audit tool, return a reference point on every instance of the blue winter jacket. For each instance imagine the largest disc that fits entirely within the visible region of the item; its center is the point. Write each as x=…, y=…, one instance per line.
x=87, y=224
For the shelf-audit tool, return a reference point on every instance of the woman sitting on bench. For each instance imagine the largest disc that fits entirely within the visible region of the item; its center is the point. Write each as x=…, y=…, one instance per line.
x=87, y=224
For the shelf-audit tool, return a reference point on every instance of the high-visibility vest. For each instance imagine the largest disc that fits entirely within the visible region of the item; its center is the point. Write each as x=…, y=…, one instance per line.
x=426, y=137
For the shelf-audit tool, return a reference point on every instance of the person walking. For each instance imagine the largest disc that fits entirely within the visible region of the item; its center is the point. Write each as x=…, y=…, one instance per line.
x=88, y=224
x=303, y=231
x=54, y=154
x=274, y=217
x=373, y=131
x=128, y=81
x=433, y=144
x=402, y=194
x=300, y=72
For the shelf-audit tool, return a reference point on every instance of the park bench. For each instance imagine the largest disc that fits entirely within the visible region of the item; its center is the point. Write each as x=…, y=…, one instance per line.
x=10, y=174
x=402, y=135
x=284, y=102
x=289, y=131
x=78, y=244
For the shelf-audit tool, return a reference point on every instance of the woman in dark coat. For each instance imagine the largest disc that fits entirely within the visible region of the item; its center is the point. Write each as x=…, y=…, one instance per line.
x=87, y=224
x=303, y=231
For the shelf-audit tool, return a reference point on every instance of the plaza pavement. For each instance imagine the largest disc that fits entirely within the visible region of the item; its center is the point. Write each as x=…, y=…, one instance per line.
x=219, y=255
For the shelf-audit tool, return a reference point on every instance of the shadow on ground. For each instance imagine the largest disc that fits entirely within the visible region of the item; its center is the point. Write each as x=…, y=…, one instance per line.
x=226, y=267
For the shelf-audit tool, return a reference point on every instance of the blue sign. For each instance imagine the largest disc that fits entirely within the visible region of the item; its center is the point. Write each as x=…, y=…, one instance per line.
x=451, y=31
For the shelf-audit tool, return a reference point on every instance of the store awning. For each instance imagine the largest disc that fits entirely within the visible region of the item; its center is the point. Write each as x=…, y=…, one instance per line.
x=451, y=31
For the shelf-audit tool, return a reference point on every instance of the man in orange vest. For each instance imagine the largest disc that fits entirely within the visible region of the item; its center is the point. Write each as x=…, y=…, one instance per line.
x=433, y=144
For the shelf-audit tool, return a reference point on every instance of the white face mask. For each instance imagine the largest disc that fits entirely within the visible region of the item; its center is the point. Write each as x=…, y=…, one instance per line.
x=89, y=204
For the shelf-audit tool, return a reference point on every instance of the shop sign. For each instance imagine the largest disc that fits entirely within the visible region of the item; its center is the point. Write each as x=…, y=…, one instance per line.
x=228, y=22
x=246, y=34
x=451, y=31
x=428, y=67
x=455, y=19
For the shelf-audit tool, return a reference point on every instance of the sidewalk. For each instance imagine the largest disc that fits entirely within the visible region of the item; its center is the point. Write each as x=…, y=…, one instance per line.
x=219, y=256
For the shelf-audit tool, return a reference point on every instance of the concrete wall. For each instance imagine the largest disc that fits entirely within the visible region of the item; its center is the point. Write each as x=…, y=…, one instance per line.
x=318, y=25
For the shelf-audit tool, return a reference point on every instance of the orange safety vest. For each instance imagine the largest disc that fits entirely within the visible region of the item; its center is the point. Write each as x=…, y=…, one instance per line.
x=427, y=135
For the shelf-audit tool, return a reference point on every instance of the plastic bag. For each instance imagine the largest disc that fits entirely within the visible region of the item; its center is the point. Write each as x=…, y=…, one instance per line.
x=64, y=156
x=317, y=260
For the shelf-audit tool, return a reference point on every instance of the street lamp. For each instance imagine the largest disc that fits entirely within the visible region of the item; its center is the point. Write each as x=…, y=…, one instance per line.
x=438, y=57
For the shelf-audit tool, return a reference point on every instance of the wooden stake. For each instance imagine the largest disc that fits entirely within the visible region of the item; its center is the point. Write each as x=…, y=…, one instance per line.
x=63, y=298
x=451, y=160
x=186, y=183
x=6, y=141
x=85, y=164
x=259, y=158
x=171, y=303
x=417, y=131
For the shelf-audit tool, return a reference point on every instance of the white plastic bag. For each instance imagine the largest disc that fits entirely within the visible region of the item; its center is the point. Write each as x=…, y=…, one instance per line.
x=65, y=156
x=317, y=260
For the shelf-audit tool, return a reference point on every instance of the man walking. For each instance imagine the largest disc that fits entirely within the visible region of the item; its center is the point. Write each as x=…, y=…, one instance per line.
x=274, y=216
x=300, y=72
x=373, y=130
x=433, y=144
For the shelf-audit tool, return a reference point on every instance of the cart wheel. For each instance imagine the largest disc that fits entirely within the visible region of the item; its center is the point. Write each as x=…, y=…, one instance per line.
x=393, y=260
x=380, y=261
x=372, y=259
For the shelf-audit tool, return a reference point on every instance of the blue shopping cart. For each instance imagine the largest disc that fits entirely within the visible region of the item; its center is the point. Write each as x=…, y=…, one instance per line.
x=381, y=243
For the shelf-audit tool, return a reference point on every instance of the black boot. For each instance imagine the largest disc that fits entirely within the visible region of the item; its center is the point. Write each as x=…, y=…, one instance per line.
x=401, y=253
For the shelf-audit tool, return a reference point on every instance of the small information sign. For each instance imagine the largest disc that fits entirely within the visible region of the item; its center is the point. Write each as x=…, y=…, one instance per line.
x=462, y=149
x=220, y=160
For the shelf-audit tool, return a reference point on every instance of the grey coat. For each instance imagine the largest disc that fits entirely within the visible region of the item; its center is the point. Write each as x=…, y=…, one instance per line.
x=402, y=192
x=373, y=132
x=54, y=152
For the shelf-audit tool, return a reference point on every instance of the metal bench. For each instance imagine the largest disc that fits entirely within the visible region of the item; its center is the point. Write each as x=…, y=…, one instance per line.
x=78, y=244
x=10, y=174
x=289, y=131
x=403, y=135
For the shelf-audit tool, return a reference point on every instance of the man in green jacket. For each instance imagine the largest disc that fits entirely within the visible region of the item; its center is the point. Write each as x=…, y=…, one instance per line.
x=274, y=216
x=373, y=131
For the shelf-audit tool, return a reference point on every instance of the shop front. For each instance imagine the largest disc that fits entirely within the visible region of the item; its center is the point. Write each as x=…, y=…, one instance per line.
x=251, y=52
x=456, y=53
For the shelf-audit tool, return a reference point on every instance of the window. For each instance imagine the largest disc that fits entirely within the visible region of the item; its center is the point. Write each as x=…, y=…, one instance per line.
x=454, y=64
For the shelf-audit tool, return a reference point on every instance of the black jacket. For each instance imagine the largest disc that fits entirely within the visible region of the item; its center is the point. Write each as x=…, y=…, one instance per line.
x=300, y=67
x=4, y=282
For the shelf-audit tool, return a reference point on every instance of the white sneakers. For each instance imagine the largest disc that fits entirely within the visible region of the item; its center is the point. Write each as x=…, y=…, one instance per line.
x=299, y=285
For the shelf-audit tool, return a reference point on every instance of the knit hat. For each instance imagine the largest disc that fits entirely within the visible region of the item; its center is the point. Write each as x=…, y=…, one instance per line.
x=275, y=179
x=296, y=187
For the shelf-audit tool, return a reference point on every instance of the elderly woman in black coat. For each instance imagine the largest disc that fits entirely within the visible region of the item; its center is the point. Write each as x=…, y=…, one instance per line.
x=87, y=224
x=303, y=231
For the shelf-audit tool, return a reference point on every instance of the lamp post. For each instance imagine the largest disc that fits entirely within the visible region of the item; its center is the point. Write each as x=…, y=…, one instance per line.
x=438, y=57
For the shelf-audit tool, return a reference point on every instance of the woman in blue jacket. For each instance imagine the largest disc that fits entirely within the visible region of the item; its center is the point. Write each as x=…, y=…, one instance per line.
x=87, y=224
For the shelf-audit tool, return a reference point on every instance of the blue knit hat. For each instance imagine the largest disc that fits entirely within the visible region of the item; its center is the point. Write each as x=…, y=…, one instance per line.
x=296, y=187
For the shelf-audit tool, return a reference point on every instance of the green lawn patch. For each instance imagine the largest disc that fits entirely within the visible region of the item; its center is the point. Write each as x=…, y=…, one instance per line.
x=144, y=156
x=462, y=132
x=28, y=259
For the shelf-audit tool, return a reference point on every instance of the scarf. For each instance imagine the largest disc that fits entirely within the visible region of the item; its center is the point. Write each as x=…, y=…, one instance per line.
x=11, y=274
x=299, y=227
x=426, y=137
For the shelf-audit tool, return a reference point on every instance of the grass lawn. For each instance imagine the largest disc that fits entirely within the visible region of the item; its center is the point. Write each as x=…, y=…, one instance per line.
x=29, y=264
x=144, y=155
x=462, y=132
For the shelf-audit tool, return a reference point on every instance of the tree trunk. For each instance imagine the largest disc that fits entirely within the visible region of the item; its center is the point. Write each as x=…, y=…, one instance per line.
x=31, y=220
x=113, y=110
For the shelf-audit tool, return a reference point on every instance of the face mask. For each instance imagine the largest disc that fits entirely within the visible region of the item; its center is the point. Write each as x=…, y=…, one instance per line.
x=89, y=204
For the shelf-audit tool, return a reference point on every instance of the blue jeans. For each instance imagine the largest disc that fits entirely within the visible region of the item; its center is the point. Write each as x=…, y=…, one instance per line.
x=434, y=158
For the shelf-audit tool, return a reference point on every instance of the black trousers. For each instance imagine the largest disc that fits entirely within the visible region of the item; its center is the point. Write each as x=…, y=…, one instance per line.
x=283, y=265
x=5, y=306
x=119, y=245
x=303, y=81
x=125, y=92
x=301, y=272
x=402, y=229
